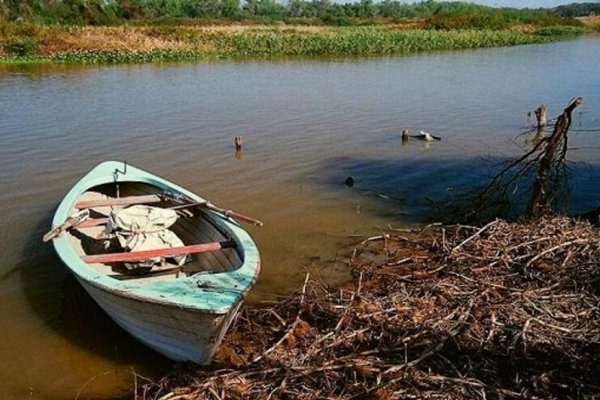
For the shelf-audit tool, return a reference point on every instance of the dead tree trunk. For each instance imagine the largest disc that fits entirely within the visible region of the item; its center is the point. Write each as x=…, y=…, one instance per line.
x=538, y=201
x=540, y=115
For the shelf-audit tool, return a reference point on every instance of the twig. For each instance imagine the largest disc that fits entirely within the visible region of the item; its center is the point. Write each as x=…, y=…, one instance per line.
x=550, y=250
x=343, y=317
x=479, y=232
x=292, y=326
x=93, y=378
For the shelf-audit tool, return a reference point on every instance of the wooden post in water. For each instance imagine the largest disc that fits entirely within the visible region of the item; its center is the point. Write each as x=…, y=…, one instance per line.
x=538, y=199
x=540, y=115
x=238, y=147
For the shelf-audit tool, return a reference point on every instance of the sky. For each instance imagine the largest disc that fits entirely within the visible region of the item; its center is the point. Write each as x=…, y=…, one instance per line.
x=524, y=3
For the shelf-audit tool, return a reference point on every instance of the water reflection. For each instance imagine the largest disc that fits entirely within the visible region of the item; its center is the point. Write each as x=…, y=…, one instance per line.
x=415, y=188
x=307, y=126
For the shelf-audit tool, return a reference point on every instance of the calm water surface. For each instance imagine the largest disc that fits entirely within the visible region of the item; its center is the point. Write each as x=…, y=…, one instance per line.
x=306, y=125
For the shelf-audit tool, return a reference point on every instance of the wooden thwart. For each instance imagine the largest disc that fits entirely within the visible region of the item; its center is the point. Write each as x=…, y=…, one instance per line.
x=121, y=201
x=88, y=223
x=147, y=254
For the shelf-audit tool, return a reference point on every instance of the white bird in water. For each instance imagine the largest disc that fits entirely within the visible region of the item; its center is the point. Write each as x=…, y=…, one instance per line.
x=427, y=137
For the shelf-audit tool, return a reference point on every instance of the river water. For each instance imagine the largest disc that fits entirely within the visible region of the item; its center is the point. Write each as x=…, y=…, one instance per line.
x=306, y=126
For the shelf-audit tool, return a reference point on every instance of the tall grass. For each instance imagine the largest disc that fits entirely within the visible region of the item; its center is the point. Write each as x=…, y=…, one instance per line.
x=560, y=31
x=363, y=41
x=185, y=43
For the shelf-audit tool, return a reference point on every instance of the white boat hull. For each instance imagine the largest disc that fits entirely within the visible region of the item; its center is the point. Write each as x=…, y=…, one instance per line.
x=180, y=334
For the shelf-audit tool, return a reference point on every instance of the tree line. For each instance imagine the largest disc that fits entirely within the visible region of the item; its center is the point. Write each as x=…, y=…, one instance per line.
x=440, y=15
x=578, y=9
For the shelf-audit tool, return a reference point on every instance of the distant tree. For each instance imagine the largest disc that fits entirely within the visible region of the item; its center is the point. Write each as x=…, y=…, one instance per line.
x=321, y=7
x=268, y=8
x=366, y=9
x=130, y=9
x=299, y=8
x=578, y=10
x=389, y=8
x=230, y=8
x=207, y=8
x=18, y=9
x=434, y=14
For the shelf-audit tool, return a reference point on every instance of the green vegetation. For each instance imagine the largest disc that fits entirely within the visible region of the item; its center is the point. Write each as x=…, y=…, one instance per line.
x=358, y=41
x=441, y=15
x=98, y=31
x=272, y=42
x=122, y=57
x=554, y=31
x=578, y=9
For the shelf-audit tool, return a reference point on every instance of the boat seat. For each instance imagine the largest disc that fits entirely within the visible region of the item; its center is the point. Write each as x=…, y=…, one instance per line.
x=133, y=256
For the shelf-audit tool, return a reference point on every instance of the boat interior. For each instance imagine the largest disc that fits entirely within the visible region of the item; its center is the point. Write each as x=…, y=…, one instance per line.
x=194, y=226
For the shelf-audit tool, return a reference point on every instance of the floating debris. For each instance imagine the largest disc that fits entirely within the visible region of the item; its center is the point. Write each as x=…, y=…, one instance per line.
x=428, y=137
x=349, y=181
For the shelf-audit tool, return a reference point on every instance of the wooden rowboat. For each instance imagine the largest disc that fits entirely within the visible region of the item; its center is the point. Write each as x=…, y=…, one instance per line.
x=183, y=311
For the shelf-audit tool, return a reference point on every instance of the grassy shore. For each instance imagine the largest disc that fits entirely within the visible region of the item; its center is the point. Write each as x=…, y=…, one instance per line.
x=26, y=43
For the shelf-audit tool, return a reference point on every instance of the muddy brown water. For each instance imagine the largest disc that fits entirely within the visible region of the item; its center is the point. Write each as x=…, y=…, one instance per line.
x=306, y=125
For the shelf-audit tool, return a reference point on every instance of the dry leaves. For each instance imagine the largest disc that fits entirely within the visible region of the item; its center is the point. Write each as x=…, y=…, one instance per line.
x=510, y=310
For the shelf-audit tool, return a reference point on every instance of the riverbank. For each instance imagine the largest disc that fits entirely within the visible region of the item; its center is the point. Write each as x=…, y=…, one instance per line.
x=27, y=43
x=506, y=310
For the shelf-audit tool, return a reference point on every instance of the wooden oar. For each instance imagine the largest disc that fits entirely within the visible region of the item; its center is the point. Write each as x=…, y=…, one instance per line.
x=227, y=213
x=102, y=221
x=121, y=201
x=158, y=198
x=72, y=221
x=148, y=254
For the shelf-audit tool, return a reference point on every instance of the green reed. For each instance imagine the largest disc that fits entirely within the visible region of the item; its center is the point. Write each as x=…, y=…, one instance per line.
x=343, y=41
x=364, y=41
x=123, y=57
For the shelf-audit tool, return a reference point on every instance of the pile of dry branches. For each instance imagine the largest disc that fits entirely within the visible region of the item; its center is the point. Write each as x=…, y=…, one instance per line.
x=509, y=310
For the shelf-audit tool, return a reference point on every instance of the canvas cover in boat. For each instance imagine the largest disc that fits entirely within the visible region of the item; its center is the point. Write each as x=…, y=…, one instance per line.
x=140, y=228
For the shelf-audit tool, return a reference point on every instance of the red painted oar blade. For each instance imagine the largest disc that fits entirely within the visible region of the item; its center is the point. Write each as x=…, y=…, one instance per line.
x=144, y=255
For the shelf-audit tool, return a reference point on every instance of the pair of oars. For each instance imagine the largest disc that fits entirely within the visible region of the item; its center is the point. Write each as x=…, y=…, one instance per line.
x=82, y=219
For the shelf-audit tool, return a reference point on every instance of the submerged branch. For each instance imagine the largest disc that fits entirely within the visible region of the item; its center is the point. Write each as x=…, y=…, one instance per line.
x=552, y=159
x=539, y=175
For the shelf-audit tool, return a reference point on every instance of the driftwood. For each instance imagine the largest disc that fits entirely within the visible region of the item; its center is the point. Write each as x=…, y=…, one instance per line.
x=504, y=311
